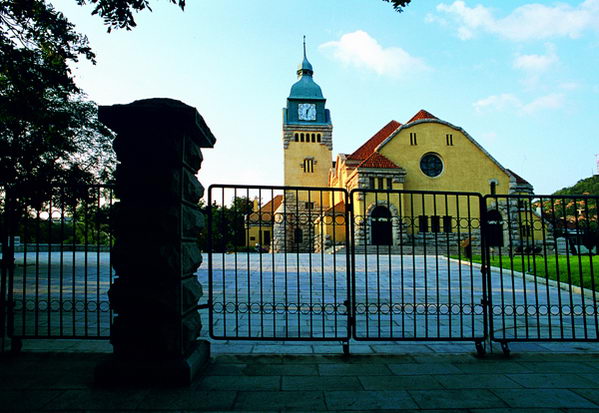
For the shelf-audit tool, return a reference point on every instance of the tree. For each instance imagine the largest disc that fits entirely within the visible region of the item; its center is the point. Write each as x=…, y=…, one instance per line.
x=49, y=131
x=118, y=14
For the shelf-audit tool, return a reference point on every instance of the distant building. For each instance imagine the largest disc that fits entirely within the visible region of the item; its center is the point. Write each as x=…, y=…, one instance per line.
x=425, y=153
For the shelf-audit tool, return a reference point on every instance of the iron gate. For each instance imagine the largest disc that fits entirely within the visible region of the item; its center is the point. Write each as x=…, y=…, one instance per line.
x=543, y=268
x=416, y=281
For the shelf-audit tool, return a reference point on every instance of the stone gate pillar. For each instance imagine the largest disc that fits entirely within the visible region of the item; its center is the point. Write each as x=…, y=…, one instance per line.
x=155, y=255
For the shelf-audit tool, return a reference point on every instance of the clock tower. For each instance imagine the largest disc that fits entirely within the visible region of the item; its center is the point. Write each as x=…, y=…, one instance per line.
x=307, y=132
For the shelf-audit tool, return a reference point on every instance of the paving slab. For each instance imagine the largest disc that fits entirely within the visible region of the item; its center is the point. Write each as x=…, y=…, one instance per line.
x=476, y=381
x=321, y=383
x=452, y=399
x=547, y=398
x=286, y=400
x=285, y=369
x=24, y=400
x=97, y=399
x=400, y=382
x=188, y=399
x=347, y=369
x=369, y=400
x=239, y=383
x=552, y=381
x=424, y=368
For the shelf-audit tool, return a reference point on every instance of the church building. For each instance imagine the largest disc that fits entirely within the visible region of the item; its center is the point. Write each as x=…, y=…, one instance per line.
x=424, y=153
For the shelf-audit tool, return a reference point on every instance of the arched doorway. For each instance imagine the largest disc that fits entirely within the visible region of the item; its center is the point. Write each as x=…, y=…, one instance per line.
x=380, y=227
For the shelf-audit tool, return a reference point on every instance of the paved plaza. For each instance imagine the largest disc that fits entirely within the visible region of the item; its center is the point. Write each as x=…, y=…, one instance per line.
x=304, y=296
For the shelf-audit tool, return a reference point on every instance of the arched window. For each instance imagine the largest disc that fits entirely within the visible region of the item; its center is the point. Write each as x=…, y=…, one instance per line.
x=301, y=137
x=493, y=187
x=298, y=236
x=318, y=138
x=313, y=137
x=296, y=136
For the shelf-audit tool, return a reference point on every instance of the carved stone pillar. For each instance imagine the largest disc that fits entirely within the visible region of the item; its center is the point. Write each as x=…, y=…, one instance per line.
x=155, y=255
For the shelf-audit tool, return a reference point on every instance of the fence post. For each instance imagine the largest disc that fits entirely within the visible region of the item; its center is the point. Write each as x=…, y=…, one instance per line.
x=156, y=254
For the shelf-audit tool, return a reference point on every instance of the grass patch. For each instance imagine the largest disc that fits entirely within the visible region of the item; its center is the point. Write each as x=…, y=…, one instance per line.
x=573, y=269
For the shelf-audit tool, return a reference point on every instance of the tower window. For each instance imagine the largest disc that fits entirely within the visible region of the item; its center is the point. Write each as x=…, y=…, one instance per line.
x=435, y=223
x=449, y=139
x=296, y=136
x=447, y=223
x=318, y=138
x=301, y=137
x=413, y=140
x=313, y=137
x=371, y=183
x=308, y=165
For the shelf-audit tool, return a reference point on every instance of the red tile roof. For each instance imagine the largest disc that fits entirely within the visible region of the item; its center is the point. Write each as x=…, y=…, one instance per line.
x=423, y=114
x=273, y=204
x=376, y=160
x=370, y=145
x=338, y=208
x=519, y=179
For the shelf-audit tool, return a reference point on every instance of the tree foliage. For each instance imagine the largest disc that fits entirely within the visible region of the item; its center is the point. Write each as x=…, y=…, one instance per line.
x=49, y=131
x=228, y=225
x=588, y=185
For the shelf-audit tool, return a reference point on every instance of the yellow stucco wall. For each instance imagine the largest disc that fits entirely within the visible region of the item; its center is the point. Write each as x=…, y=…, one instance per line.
x=294, y=156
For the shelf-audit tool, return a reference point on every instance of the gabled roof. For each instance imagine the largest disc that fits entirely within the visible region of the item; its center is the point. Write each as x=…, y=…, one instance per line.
x=273, y=204
x=338, y=208
x=519, y=179
x=370, y=145
x=376, y=160
x=422, y=114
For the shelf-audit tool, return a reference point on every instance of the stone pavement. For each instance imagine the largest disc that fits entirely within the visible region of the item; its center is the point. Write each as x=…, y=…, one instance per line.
x=417, y=377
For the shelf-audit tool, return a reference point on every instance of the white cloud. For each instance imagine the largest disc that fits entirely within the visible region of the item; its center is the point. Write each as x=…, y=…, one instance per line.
x=535, y=63
x=552, y=101
x=569, y=86
x=510, y=101
x=361, y=50
x=497, y=102
x=530, y=21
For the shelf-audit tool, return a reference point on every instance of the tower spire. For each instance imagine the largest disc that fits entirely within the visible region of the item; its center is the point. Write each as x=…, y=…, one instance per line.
x=305, y=68
x=305, y=47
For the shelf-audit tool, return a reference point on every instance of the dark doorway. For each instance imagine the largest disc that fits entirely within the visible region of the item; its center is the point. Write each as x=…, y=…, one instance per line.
x=266, y=238
x=381, y=226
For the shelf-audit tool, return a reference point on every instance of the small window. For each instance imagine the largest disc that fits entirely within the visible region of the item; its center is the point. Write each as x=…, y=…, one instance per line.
x=436, y=223
x=318, y=137
x=309, y=205
x=449, y=139
x=298, y=236
x=296, y=136
x=493, y=188
x=371, y=183
x=389, y=183
x=308, y=165
x=380, y=182
x=301, y=137
x=313, y=137
x=252, y=238
x=422, y=223
x=413, y=140
x=447, y=223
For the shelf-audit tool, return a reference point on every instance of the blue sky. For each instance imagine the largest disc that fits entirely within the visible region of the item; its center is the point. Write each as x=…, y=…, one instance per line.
x=521, y=77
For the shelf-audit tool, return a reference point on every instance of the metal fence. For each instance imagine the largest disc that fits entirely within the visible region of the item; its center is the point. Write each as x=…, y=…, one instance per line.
x=412, y=278
x=56, y=255
x=302, y=263
x=278, y=263
x=543, y=268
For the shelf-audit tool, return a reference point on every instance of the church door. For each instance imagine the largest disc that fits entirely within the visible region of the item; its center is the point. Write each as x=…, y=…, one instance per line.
x=381, y=226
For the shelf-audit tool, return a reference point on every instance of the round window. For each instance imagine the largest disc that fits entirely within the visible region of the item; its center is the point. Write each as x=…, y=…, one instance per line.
x=431, y=165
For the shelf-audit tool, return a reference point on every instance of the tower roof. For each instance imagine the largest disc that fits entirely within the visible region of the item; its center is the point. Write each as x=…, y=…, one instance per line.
x=305, y=87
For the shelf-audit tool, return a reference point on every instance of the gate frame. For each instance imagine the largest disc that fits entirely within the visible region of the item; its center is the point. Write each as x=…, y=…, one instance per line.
x=348, y=263
x=479, y=341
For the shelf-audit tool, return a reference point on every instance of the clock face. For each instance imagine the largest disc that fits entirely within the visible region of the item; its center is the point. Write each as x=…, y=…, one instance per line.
x=306, y=111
